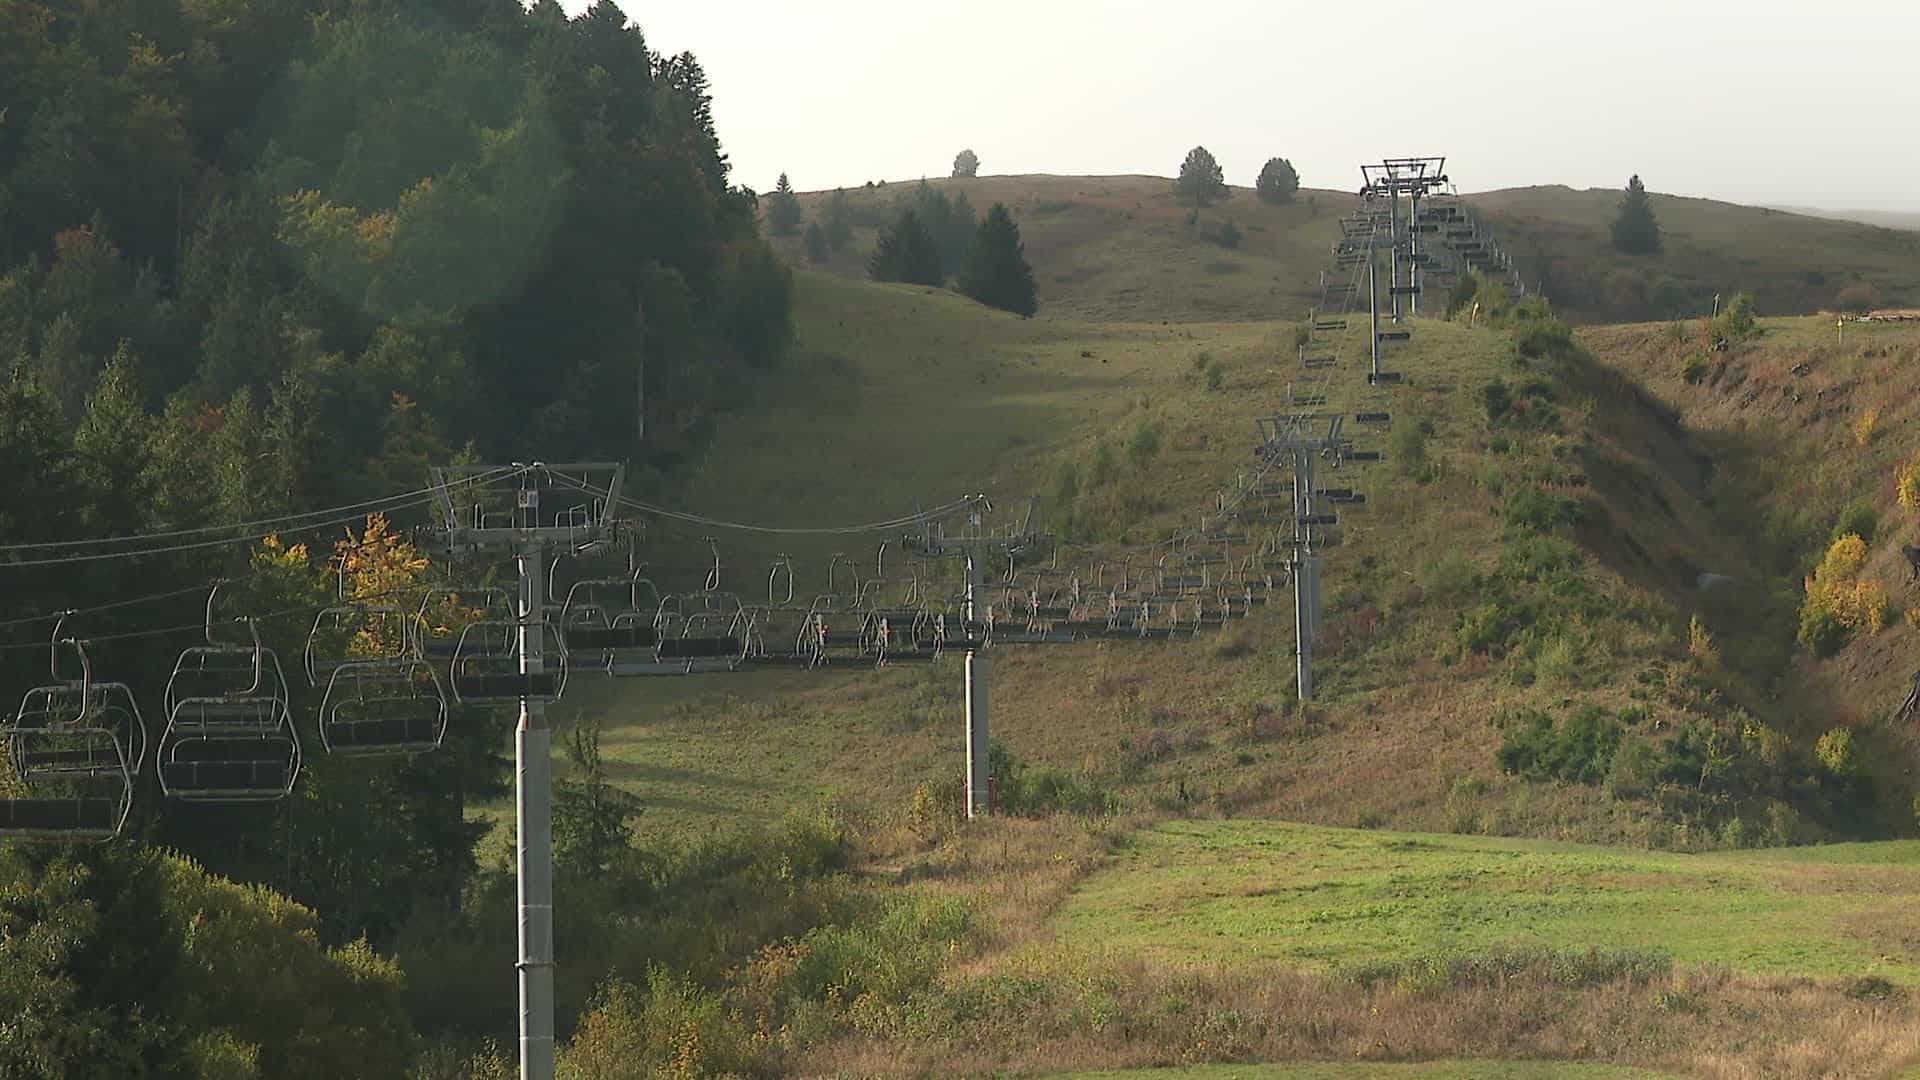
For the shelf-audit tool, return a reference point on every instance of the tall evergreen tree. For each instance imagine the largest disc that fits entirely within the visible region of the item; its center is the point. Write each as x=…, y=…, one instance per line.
x=1201, y=179
x=996, y=272
x=1635, y=232
x=966, y=163
x=1277, y=182
x=816, y=242
x=906, y=253
x=783, y=209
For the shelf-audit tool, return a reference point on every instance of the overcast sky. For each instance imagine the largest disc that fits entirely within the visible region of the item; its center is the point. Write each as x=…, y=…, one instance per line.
x=1757, y=101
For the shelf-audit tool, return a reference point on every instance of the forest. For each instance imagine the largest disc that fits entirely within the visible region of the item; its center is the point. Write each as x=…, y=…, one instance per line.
x=259, y=258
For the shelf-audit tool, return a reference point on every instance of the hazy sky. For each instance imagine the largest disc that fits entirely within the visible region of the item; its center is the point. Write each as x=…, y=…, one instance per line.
x=1759, y=101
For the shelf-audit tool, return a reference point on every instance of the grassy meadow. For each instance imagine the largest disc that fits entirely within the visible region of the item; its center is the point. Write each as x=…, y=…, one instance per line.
x=1328, y=899
x=1366, y=887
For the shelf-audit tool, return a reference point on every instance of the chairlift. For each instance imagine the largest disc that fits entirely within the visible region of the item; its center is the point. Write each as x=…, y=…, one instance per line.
x=76, y=746
x=610, y=620
x=485, y=667
x=230, y=735
x=376, y=707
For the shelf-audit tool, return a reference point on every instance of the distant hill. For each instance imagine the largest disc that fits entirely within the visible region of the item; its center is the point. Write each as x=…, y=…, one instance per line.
x=1120, y=248
x=1792, y=263
x=1886, y=219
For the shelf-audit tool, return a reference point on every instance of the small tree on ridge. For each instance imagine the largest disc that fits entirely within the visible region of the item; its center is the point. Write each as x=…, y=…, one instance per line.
x=783, y=209
x=1635, y=232
x=1277, y=181
x=966, y=163
x=1201, y=178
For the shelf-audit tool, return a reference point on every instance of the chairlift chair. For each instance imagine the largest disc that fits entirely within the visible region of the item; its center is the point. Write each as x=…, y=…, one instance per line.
x=75, y=747
x=230, y=735
x=485, y=667
x=381, y=707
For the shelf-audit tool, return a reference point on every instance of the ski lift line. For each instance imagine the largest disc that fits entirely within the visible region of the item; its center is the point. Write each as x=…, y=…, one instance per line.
x=204, y=545
x=284, y=520
x=117, y=604
x=715, y=523
x=162, y=631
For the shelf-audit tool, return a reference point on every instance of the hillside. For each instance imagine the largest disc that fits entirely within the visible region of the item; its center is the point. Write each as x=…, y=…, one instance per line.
x=1119, y=247
x=1791, y=263
x=1507, y=654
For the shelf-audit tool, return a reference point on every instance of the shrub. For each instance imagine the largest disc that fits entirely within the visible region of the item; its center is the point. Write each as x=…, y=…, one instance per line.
x=1858, y=519
x=1693, y=367
x=1821, y=631
x=1736, y=322
x=1542, y=338
x=1835, y=752
x=1534, y=509
x=1700, y=645
x=1216, y=377
x=1906, y=483
x=1534, y=558
x=1105, y=467
x=1144, y=444
x=1496, y=400
x=1407, y=448
x=1864, y=427
x=1580, y=750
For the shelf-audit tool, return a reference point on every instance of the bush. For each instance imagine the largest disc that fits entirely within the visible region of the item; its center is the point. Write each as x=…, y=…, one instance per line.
x=1580, y=750
x=1407, y=448
x=1216, y=377
x=1835, y=752
x=1042, y=790
x=1858, y=519
x=1144, y=444
x=1496, y=400
x=1821, y=631
x=1864, y=428
x=1542, y=338
x=1537, y=510
x=1906, y=484
x=1693, y=367
x=1736, y=323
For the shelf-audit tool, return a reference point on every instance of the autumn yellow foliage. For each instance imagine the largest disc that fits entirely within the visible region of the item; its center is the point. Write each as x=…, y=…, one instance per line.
x=1860, y=604
x=1864, y=427
x=1906, y=484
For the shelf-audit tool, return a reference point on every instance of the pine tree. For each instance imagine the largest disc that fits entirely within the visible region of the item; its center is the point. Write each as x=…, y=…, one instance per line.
x=906, y=253
x=110, y=446
x=1277, y=182
x=996, y=272
x=1635, y=232
x=966, y=163
x=816, y=241
x=839, y=220
x=1201, y=178
x=783, y=209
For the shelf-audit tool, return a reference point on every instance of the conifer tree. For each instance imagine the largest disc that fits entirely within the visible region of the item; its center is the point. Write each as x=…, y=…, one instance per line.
x=996, y=272
x=906, y=253
x=1277, y=182
x=783, y=209
x=1201, y=179
x=816, y=241
x=1635, y=232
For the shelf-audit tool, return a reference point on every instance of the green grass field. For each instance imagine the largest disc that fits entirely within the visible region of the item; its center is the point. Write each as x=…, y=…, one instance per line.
x=1346, y=1070
x=1323, y=898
